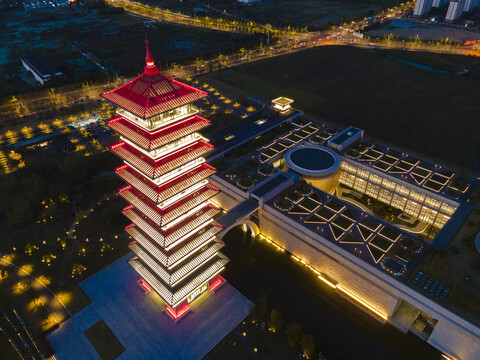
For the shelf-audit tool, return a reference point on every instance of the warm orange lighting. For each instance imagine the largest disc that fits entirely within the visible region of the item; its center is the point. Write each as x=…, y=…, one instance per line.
x=368, y=306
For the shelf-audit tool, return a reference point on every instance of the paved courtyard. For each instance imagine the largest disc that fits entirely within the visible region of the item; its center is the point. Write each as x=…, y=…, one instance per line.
x=140, y=325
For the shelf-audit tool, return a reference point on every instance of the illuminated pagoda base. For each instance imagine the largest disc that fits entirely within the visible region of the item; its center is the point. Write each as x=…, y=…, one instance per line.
x=139, y=322
x=176, y=251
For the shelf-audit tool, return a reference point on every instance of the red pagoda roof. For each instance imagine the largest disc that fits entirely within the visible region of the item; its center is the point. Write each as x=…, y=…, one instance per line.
x=152, y=93
x=165, y=215
x=169, y=236
x=168, y=257
x=159, y=193
x=155, y=168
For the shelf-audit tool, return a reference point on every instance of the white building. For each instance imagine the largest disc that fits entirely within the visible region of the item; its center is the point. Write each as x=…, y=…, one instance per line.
x=422, y=7
x=41, y=69
x=439, y=3
x=455, y=10
x=470, y=5
x=248, y=2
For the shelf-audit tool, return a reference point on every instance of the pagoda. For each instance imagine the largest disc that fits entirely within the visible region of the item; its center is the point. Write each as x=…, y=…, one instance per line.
x=176, y=251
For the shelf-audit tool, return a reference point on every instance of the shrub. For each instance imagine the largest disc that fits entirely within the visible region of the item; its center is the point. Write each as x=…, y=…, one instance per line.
x=275, y=321
x=308, y=345
x=455, y=250
x=293, y=332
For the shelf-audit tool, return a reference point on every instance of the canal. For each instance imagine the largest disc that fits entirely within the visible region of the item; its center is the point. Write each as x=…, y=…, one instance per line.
x=341, y=330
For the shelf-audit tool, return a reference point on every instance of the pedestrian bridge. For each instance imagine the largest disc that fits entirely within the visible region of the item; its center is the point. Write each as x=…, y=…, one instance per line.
x=239, y=215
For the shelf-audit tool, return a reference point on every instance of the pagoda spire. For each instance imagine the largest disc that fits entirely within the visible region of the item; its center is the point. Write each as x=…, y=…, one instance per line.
x=150, y=67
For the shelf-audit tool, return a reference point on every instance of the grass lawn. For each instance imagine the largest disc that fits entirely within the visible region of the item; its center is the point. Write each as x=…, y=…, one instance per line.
x=381, y=243
x=311, y=12
x=7, y=352
x=343, y=222
x=390, y=233
x=351, y=239
x=397, y=103
x=104, y=341
x=229, y=348
x=75, y=299
x=270, y=346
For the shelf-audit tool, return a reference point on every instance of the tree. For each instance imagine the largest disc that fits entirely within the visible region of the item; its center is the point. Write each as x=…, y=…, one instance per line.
x=24, y=286
x=78, y=269
x=30, y=248
x=48, y=258
x=220, y=60
x=198, y=65
x=33, y=297
x=275, y=322
x=6, y=274
x=308, y=345
x=293, y=332
x=260, y=309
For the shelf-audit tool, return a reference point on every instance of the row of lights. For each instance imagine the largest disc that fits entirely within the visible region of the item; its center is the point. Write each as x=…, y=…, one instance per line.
x=328, y=282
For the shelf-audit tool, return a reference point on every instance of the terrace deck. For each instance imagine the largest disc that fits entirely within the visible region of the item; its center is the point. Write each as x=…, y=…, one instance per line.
x=361, y=234
x=139, y=324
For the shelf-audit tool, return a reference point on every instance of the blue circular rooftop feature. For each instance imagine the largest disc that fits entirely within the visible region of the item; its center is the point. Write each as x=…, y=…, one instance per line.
x=312, y=160
x=477, y=242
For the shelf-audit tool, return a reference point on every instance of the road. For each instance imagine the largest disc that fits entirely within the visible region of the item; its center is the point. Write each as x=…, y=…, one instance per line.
x=289, y=42
x=15, y=329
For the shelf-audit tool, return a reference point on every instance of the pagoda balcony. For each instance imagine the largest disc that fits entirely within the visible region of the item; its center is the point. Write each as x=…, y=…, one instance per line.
x=199, y=218
x=151, y=140
x=155, y=168
x=173, y=277
x=174, y=296
x=162, y=119
x=159, y=193
x=172, y=147
x=189, y=246
x=162, y=216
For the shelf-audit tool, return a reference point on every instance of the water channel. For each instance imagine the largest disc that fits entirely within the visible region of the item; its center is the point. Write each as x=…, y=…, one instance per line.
x=341, y=329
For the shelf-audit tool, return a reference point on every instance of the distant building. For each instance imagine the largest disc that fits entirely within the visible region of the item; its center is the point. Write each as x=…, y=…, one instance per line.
x=282, y=104
x=439, y=3
x=255, y=101
x=61, y=3
x=345, y=138
x=422, y=7
x=33, y=5
x=63, y=144
x=247, y=2
x=42, y=69
x=10, y=3
x=470, y=5
x=455, y=10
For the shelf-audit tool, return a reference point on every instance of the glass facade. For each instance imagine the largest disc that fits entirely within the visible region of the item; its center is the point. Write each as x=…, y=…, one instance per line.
x=401, y=196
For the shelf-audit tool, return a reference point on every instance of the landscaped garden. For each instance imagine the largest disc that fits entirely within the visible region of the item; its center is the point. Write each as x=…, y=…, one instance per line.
x=265, y=333
x=104, y=341
x=61, y=223
x=458, y=267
